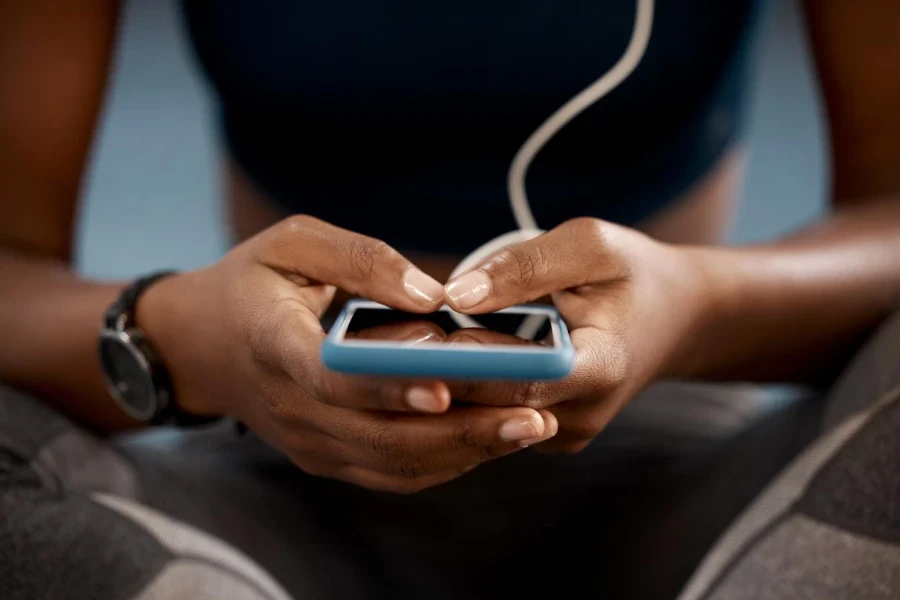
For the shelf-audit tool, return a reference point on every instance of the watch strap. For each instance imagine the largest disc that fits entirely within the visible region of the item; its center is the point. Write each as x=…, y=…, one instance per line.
x=121, y=312
x=121, y=316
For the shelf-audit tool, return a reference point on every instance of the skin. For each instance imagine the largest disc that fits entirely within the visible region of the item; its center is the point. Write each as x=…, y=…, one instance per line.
x=266, y=314
x=701, y=215
x=241, y=337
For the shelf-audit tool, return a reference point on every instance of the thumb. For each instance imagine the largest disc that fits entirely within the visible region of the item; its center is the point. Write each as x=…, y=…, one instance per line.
x=573, y=254
x=318, y=298
x=312, y=251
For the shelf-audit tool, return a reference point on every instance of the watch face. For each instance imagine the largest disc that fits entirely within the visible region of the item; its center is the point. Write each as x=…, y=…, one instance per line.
x=128, y=375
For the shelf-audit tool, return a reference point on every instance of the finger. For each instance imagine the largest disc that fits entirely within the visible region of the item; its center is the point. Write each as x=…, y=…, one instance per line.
x=390, y=395
x=534, y=394
x=338, y=468
x=291, y=339
x=575, y=253
x=598, y=367
x=485, y=337
x=312, y=250
x=375, y=393
x=551, y=428
x=321, y=298
x=397, y=484
x=580, y=422
x=531, y=394
x=413, y=446
x=413, y=466
x=412, y=332
x=419, y=454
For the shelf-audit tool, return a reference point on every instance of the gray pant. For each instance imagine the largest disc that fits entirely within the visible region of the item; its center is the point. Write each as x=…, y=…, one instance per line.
x=631, y=517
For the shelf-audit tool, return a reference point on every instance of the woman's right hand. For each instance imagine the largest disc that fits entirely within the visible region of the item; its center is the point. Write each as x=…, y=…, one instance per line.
x=243, y=338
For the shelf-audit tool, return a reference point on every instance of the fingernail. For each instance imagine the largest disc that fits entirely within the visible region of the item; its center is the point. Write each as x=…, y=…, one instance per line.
x=421, y=288
x=551, y=427
x=469, y=289
x=424, y=400
x=420, y=336
x=551, y=424
x=535, y=440
x=519, y=429
x=464, y=338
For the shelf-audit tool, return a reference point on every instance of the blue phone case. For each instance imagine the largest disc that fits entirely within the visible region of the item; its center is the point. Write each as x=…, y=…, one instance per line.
x=451, y=362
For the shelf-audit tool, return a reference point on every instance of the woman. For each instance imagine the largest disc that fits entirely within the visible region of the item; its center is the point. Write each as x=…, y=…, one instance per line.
x=390, y=128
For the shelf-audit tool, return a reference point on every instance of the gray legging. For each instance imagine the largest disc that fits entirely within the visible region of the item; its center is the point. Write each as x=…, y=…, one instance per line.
x=631, y=517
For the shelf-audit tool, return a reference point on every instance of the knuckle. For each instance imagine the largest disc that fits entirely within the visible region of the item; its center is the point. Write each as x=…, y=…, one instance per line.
x=366, y=254
x=383, y=441
x=599, y=246
x=464, y=389
x=362, y=258
x=409, y=467
x=277, y=246
x=529, y=394
x=363, y=393
x=297, y=224
x=282, y=237
x=381, y=396
x=280, y=411
x=614, y=369
x=493, y=451
x=590, y=230
x=465, y=436
x=524, y=262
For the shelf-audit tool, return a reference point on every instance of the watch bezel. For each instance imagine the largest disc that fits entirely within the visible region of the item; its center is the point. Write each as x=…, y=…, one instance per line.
x=132, y=342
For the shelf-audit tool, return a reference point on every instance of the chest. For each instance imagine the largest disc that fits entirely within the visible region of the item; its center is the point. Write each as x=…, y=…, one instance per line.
x=407, y=56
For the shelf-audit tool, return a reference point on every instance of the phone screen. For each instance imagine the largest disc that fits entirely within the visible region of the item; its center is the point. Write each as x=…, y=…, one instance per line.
x=498, y=329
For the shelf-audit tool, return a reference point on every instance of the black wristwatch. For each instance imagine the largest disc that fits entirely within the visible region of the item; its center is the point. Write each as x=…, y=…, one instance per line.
x=135, y=375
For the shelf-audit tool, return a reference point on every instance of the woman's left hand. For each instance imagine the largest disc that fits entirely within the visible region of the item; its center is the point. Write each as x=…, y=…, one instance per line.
x=631, y=304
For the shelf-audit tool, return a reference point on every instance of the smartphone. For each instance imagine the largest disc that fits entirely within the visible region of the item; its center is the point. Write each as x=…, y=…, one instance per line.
x=372, y=339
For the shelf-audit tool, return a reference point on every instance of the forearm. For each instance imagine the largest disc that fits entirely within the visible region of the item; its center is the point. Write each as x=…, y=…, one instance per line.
x=796, y=309
x=49, y=319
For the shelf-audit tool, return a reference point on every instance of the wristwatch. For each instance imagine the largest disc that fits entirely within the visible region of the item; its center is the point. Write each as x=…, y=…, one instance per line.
x=135, y=375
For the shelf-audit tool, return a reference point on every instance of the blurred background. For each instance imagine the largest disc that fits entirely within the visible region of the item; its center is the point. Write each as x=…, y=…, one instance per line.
x=152, y=187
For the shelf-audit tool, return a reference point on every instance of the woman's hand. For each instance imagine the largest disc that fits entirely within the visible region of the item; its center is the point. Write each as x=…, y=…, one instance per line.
x=630, y=304
x=243, y=338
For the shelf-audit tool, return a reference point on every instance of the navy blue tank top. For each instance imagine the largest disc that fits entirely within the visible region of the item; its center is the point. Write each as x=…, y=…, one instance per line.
x=399, y=119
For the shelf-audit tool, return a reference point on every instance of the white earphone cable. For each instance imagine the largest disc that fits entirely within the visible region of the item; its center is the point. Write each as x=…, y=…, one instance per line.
x=518, y=199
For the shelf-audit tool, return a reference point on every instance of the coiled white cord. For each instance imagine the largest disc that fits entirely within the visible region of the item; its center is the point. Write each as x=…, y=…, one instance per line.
x=528, y=229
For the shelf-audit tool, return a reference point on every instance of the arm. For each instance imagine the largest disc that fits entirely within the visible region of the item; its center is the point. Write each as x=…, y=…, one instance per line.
x=792, y=310
x=797, y=308
x=241, y=337
x=54, y=58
